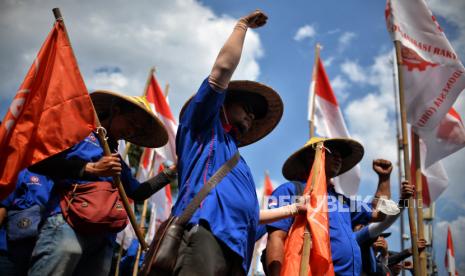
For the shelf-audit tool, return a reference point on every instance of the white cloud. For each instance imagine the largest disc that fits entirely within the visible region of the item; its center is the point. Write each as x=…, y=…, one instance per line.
x=354, y=71
x=306, y=31
x=345, y=39
x=327, y=62
x=131, y=37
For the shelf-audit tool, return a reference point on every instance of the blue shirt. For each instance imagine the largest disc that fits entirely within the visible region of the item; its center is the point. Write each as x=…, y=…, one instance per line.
x=31, y=189
x=90, y=150
x=345, y=251
x=231, y=209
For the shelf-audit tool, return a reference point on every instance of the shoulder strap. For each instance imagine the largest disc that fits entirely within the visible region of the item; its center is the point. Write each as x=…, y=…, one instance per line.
x=211, y=183
x=298, y=187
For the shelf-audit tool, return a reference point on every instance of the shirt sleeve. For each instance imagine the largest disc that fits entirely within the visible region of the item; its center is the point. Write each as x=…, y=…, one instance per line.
x=362, y=235
x=129, y=182
x=362, y=214
x=203, y=107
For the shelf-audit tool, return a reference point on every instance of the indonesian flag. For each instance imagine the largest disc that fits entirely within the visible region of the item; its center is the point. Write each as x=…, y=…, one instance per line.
x=450, y=256
x=51, y=111
x=432, y=71
x=329, y=123
x=434, y=178
x=446, y=138
x=320, y=261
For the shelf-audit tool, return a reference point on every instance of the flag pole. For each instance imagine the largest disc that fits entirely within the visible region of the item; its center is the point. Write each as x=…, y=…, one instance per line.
x=399, y=152
x=167, y=89
x=307, y=247
x=257, y=243
x=106, y=150
x=312, y=89
x=403, y=117
x=119, y=254
x=419, y=196
x=141, y=225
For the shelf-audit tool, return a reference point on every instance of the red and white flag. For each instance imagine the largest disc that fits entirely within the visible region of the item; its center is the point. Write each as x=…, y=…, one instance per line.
x=51, y=111
x=434, y=178
x=432, y=72
x=329, y=123
x=447, y=138
x=450, y=256
x=153, y=159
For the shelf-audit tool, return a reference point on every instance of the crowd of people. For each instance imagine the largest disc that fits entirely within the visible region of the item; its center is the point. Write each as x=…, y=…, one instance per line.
x=45, y=224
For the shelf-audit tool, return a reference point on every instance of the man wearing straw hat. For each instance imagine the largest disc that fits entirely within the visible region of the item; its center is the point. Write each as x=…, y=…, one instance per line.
x=341, y=155
x=63, y=249
x=222, y=116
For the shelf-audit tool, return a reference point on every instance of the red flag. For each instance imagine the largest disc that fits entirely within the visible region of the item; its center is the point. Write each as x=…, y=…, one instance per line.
x=450, y=255
x=267, y=186
x=51, y=111
x=329, y=123
x=317, y=217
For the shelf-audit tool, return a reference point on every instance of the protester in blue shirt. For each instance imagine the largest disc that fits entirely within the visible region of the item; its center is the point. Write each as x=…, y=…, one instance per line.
x=341, y=155
x=221, y=117
x=26, y=206
x=62, y=249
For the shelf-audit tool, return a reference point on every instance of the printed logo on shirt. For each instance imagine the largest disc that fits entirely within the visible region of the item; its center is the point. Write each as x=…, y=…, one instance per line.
x=92, y=139
x=273, y=202
x=34, y=180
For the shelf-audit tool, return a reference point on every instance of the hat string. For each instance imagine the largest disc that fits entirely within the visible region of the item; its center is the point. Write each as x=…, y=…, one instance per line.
x=322, y=147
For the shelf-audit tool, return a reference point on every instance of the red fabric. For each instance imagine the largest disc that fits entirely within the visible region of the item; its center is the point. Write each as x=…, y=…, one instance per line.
x=323, y=86
x=320, y=262
x=155, y=96
x=51, y=111
x=268, y=186
x=450, y=248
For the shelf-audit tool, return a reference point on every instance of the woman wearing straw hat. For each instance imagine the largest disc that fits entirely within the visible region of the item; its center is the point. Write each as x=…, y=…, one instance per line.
x=65, y=249
x=222, y=116
x=341, y=155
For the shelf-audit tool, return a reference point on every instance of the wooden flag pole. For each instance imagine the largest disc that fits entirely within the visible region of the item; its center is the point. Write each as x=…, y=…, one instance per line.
x=167, y=89
x=107, y=152
x=307, y=247
x=141, y=225
x=312, y=89
x=419, y=196
x=403, y=117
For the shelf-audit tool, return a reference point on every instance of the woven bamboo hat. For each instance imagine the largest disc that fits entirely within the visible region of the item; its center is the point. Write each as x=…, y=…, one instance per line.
x=266, y=105
x=154, y=134
x=300, y=162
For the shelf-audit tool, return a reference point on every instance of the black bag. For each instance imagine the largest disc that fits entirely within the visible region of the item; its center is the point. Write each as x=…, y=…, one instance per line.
x=163, y=252
x=23, y=224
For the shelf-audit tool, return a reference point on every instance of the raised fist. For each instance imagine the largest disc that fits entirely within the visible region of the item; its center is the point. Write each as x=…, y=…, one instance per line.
x=382, y=167
x=255, y=19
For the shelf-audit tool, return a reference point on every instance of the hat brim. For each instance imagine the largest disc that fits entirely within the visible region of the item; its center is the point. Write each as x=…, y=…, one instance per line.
x=153, y=136
x=299, y=164
x=265, y=123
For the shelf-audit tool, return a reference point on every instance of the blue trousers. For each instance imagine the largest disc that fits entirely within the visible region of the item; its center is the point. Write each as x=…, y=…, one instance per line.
x=62, y=251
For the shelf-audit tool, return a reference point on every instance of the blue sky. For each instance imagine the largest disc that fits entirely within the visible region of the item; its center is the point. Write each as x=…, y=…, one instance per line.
x=116, y=42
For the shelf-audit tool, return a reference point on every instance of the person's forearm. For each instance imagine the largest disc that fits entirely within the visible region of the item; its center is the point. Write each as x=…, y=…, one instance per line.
x=60, y=167
x=397, y=258
x=151, y=186
x=271, y=215
x=383, y=190
x=229, y=57
x=376, y=228
x=275, y=252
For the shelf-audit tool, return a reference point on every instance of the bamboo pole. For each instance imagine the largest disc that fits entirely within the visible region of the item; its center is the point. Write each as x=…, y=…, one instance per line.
x=119, y=254
x=141, y=225
x=399, y=154
x=419, y=196
x=167, y=90
x=304, y=262
x=312, y=89
x=106, y=150
x=403, y=117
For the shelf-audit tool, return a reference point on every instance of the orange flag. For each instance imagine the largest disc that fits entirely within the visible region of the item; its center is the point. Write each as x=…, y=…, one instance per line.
x=267, y=186
x=320, y=262
x=51, y=111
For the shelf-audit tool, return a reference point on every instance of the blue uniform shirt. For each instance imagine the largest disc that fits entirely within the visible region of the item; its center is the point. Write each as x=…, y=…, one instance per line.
x=31, y=189
x=345, y=251
x=90, y=150
x=231, y=209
